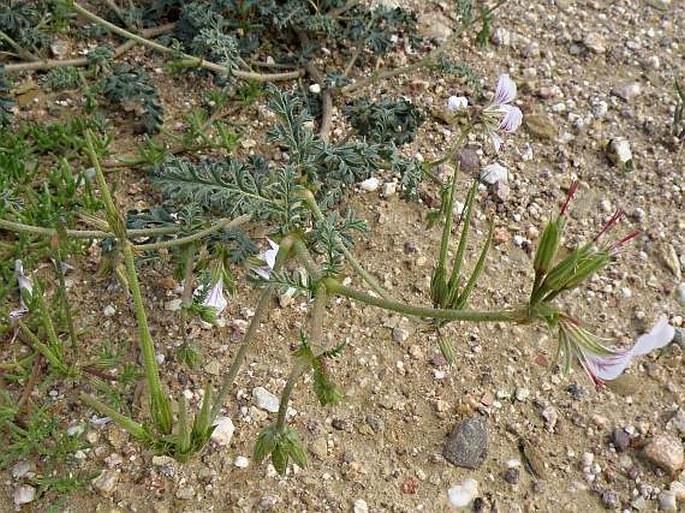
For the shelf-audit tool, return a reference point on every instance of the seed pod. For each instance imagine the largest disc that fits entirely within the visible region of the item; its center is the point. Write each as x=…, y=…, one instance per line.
x=549, y=244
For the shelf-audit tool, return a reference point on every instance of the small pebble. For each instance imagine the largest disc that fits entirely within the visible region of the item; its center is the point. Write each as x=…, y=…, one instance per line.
x=241, y=462
x=24, y=494
x=265, y=400
x=620, y=439
x=109, y=311
x=360, y=506
x=493, y=173
x=666, y=451
x=512, y=476
x=106, y=482
x=667, y=502
x=611, y=499
x=370, y=184
x=223, y=431
x=462, y=495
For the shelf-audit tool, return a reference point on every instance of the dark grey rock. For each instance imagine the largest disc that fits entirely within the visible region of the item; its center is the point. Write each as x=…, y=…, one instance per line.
x=512, y=476
x=467, y=445
x=620, y=439
x=610, y=499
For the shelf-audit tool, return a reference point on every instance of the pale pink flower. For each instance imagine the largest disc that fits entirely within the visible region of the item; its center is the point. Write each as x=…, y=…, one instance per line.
x=602, y=363
x=269, y=258
x=215, y=298
x=500, y=114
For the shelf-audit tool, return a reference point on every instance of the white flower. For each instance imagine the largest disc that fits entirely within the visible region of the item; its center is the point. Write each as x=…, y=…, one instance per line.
x=269, y=258
x=500, y=113
x=457, y=103
x=215, y=298
x=604, y=364
x=25, y=290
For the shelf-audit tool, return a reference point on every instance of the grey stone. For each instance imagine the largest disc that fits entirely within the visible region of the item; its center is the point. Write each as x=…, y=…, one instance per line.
x=467, y=445
x=666, y=451
x=620, y=439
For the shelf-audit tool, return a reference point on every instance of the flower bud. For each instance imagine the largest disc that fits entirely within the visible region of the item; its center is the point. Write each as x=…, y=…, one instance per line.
x=549, y=244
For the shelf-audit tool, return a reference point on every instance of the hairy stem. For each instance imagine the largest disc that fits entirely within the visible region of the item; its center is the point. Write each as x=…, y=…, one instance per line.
x=301, y=366
x=160, y=407
x=366, y=276
x=518, y=315
x=137, y=430
x=224, y=223
x=84, y=234
x=83, y=61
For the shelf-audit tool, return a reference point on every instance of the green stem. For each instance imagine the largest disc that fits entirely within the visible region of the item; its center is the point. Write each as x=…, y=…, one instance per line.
x=518, y=315
x=465, y=220
x=137, y=430
x=449, y=215
x=160, y=408
x=84, y=234
x=224, y=223
x=54, y=360
x=193, y=61
x=62, y=289
x=366, y=276
x=302, y=366
x=248, y=339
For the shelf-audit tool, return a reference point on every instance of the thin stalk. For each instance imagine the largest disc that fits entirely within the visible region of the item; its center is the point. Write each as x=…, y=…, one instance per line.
x=137, y=430
x=473, y=279
x=248, y=339
x=84, y=234
x=192, y=60
x=21, y=51
x=224, y=223
x=366, y=276
x=53, y=359
x=465, y=221
x=447, y=228
x=302, y=366
x=160, y=409
x=306, y=259
x=187, y=296
x=62, y=289
x=518, y=315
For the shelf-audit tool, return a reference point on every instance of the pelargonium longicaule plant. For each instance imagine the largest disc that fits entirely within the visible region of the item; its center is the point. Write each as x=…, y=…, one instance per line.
x=308, y=231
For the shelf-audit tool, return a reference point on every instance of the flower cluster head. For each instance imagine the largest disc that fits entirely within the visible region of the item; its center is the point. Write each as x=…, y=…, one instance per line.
x=500, y=115
x=600, y=362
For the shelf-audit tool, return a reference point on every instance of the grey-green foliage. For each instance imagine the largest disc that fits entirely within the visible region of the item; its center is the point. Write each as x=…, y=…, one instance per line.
x=384, y=121
x=6, y=101
x=229, y=187
x=63, y=77
x=132, y=84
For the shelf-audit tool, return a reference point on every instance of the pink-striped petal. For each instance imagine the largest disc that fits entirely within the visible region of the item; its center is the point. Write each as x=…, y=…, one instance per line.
x=609, y=366
x=215, y=299
x=506, y=90
x=512, y=119
x=661, y=335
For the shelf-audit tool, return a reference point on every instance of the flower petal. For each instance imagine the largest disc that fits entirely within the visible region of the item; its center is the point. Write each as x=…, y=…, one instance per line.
x=269, y=258
x=609, y=366
x=456, y=103
x=506, y=90
x=496, y=140
x=215, y=299
x=661, y=334
x=512, y=119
